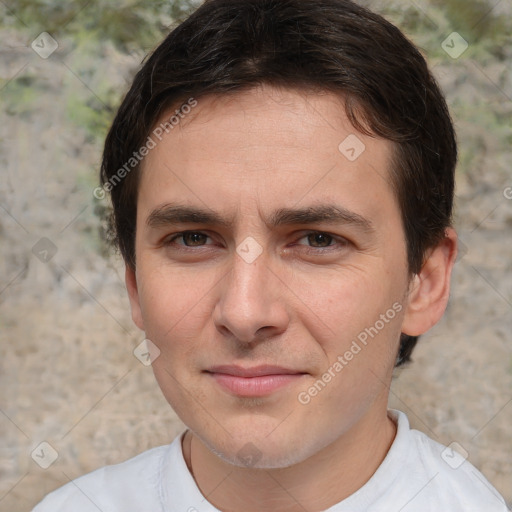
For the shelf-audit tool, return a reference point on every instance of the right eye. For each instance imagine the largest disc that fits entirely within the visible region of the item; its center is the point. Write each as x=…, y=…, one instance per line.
x=189, y=238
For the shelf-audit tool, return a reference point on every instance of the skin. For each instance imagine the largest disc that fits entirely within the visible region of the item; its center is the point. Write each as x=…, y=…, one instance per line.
x=299, y=304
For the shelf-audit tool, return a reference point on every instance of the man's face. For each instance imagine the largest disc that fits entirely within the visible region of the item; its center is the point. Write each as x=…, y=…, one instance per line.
x=250, y=317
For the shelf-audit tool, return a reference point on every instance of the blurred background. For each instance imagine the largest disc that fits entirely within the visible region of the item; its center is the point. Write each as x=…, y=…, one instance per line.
x=68, y=374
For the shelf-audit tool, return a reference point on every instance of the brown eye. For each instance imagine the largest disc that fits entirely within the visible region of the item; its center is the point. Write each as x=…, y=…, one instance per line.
x=319, y=239
x=319, y=243
x=189, y=238
x=194, y=238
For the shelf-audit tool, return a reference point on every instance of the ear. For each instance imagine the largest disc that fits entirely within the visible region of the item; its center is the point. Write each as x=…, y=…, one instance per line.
x=130, y=278
x=429, y=290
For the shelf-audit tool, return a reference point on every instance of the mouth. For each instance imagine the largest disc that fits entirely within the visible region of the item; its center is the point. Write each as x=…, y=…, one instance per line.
x=255, y=381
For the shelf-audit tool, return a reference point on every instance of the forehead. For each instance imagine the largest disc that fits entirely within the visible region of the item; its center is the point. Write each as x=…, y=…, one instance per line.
x=262, y=148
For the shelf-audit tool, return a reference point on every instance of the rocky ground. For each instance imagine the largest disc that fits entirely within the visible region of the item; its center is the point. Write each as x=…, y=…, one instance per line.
x=68, y=375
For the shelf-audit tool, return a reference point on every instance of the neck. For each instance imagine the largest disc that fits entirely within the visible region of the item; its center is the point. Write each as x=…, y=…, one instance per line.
x=317, y=483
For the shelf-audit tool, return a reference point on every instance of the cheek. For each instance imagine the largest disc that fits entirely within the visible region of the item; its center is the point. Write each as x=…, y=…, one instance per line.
x=345, y=302
x=360, y=346
x=360, y=314
x=173, y=305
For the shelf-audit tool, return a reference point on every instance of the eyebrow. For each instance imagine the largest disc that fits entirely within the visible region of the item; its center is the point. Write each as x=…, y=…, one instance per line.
x=169, y=214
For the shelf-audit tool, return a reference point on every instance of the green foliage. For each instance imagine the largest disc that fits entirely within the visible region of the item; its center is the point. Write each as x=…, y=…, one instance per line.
x=429, y=23
x=89, y=114
x=19, y=96
x=489, y=36
x=477, y=21
x=474, y=18
x=125, y=23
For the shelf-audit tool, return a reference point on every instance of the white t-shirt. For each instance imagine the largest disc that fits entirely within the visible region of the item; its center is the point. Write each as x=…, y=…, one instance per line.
x=417, y=475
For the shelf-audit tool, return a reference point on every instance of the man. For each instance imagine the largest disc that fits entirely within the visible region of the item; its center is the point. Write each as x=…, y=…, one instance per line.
x=281, y=174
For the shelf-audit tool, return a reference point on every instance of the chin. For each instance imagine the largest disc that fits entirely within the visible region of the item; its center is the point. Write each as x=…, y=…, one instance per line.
x=254, y=448
x=251, y=456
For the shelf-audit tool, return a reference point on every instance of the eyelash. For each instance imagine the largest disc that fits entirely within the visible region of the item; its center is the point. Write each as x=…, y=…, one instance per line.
x=341, y=241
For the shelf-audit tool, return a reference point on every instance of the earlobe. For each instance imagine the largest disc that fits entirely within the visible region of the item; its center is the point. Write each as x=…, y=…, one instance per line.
x=430, y=288
x=133, y=294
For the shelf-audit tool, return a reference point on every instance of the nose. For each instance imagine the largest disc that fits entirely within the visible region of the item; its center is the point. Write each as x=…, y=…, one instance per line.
x=251, y=305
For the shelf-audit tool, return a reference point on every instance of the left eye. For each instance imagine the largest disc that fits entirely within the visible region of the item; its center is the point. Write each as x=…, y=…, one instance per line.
x=316, y=237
